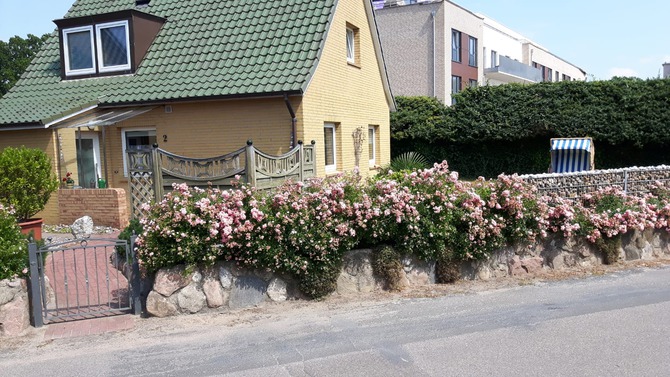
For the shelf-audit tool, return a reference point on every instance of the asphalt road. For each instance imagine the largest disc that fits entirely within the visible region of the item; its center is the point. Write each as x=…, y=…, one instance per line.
x=614, y=325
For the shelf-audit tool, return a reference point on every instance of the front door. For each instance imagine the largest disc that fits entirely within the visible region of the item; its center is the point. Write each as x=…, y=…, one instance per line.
x=88, y=155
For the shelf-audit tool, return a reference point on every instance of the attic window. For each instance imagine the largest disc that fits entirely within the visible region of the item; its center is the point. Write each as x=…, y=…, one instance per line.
x=111, y=47
x=353, y=51
x=78, y=44
x=106, y=44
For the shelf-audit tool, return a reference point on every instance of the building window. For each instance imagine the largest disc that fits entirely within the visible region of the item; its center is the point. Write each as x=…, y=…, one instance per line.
x=113, y=46
x=455, y=87
x=494, y=59
x=329, y=147
x=79, y=51
x=136, y=139
x=353, y=50
x=456, y=45
x=550, y=74
x=557, y=77
x=472, y=51
x=566, y=77
x=472, y=83
x=372, y=145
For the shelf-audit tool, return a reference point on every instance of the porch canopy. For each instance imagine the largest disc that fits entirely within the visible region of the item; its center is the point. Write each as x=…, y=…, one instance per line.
x=572, y=154
x=90, y=118
x=95, y=117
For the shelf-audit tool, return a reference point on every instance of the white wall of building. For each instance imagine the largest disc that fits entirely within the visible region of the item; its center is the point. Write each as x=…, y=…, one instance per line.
x=502, y=40
x=536, y=53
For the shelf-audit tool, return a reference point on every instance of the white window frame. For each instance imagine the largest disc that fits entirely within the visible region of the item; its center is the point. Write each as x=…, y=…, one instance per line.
x=456, y=39
x=98, y=46
x=332, y=127
x=472, y=51
x=66, y=51
x=123, y=144
x=351, y=45
x=373, y=138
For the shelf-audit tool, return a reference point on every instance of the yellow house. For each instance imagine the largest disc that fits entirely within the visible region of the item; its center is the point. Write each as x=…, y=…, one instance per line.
x=200, y=78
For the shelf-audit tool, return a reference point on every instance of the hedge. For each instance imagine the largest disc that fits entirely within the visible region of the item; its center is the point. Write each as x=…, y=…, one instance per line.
x=506, y=128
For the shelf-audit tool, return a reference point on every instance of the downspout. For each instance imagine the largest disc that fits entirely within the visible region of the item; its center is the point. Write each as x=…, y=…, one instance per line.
x=80, y=172
x=294, y=120
x=432, y=13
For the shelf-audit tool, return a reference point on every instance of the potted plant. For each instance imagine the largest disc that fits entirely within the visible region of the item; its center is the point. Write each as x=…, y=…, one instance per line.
x=68, y=180
x=26, y=183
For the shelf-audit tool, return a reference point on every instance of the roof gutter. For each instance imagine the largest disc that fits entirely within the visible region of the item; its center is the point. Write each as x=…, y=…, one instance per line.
x=22, y=127
x=110, y=105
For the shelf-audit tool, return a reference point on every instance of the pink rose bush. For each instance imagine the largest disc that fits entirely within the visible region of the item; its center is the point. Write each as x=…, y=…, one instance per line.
x=304, y=228
x=13, y=246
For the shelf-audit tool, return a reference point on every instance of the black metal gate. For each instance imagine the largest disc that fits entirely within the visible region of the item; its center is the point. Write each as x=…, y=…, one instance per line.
x=83, y=278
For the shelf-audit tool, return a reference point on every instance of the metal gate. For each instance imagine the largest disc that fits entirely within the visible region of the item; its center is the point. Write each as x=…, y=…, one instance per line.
x=82, y=279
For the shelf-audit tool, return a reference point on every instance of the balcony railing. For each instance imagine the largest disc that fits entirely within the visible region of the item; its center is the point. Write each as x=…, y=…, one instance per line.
x=379, y=4
x=510, y=70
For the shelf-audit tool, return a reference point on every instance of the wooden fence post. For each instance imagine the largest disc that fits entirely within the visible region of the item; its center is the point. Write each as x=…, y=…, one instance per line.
x=249, y=163
x=157, y=173
x=301, y=159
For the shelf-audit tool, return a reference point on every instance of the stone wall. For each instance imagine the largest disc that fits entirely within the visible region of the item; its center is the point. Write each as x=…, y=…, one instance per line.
x=226, y=287
x=221, y=287
x=107, y=207
x=14, y=307
x=570, y=185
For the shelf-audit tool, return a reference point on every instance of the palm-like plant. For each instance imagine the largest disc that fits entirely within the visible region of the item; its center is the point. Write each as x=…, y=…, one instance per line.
x=409, y=161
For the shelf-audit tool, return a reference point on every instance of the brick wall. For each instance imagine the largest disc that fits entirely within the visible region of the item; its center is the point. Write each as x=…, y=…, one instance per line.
x=349, y=95
x=105, y=206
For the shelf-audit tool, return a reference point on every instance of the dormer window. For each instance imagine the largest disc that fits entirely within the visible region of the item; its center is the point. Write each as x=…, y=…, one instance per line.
x=106, y=44
x=113, y=46
x=78, y=44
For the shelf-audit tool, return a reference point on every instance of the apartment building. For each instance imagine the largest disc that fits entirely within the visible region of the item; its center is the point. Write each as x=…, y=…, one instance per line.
x=666, y=70
x=438, y=48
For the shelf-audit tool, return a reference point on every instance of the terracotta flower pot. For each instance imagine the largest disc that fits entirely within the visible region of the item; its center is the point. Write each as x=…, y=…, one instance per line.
x=34, y=225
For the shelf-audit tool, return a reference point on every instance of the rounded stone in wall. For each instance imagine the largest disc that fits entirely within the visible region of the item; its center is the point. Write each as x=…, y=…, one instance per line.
x=277, y=290
x=191, y=299
x=226, y=278
x=213, y=292
x=160, y=306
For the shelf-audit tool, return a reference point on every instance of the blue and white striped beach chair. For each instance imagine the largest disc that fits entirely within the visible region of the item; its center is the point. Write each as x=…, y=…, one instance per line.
x=572, y=154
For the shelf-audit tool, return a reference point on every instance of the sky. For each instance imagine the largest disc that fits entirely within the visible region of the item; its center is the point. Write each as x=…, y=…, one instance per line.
x=603, y=37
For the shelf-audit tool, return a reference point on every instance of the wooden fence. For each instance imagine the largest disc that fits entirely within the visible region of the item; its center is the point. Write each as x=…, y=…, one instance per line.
x=153, y=171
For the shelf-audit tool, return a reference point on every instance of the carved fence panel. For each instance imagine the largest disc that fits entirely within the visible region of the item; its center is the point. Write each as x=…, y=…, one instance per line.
x=272, y=171
x=152, y=172
x=212, y=171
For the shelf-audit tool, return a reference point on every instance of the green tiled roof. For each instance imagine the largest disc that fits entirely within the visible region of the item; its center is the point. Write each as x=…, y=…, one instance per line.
x=206, y=48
